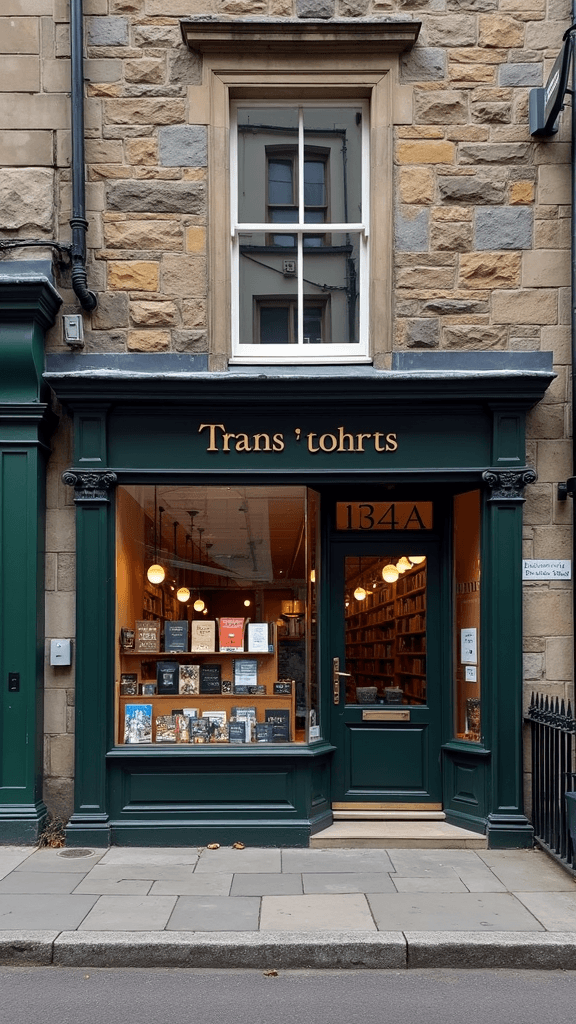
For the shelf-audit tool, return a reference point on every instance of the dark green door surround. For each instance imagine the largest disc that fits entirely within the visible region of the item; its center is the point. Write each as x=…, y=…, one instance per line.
x=451, y=431
x=28, y=306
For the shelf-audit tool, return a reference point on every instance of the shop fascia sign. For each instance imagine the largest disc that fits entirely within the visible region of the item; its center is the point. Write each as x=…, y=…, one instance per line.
x=546, y=104
x=218, y=439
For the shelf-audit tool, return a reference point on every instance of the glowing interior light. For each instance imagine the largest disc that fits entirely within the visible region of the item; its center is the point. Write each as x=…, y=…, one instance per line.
x=360, y=594
x=417, y=559
x=390, y=573
x=199, y=605
x=156, y=574
x=183, y=594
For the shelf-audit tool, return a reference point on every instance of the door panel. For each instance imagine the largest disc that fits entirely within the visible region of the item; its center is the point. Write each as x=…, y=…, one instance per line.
x=386, y=720
x=404, y=768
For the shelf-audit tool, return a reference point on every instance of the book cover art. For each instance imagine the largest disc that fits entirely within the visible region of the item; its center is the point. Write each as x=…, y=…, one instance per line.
x=182, y=728
x=283, y=686
x=189, y=679
x=203, y=636
x=127, y=639
x=147, y=689
x=218, y=726
x=176, y=635
x=237, y=730
x=245, y=674
x=167, y=674
x=129, y=684
x=264, y=732
x=280, y=721
x=138, y=723
x=147, y=636
x=199, y=730
x=165, y=729
x=231, y=634
x=210, y=678
x=258, y=637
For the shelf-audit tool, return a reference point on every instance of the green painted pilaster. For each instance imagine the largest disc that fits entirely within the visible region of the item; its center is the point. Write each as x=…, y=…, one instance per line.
x=28, y=306
x=507, y=824
x=89, y=823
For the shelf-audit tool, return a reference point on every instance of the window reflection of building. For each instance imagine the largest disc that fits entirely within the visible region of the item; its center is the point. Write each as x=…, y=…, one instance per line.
x=311, y=173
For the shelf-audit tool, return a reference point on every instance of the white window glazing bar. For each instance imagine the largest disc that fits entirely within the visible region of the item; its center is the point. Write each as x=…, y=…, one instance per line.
x=300, y=224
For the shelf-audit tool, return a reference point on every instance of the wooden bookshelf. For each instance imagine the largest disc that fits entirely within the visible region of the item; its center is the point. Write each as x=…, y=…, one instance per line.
x=386, y=639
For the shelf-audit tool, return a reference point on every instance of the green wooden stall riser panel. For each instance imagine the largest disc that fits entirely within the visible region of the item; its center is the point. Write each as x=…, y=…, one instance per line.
x=22, y=615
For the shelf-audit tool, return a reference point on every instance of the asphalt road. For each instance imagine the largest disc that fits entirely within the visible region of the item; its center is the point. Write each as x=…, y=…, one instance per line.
x=74, y=996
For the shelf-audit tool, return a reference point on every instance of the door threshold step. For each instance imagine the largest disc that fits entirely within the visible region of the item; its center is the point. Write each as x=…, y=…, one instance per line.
x=388, y=815
x=433, y=835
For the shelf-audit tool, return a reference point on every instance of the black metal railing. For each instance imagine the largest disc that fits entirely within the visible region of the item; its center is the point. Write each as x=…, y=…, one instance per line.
x=553, y=729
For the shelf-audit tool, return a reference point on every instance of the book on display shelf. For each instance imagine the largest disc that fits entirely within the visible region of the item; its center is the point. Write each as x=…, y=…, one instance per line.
x=280, y=721
x=231, y=634
x=258, y=637
x=138, y=723
x=203, y=636
x=210, y=679
x=176, y=635
x=167, y=675
x=245, y=674
x=147, y=639
x=165, y=729
x=129, y=684
x=189, y=679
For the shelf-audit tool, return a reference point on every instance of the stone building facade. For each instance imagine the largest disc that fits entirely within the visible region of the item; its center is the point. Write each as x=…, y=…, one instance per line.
x=479, y=256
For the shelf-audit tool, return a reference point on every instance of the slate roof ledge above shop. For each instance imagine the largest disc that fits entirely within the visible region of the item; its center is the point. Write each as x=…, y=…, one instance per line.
x=436, y=377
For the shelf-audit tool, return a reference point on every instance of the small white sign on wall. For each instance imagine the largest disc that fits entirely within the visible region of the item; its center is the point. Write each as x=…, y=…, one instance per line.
x=468, y=646
x=546, y=569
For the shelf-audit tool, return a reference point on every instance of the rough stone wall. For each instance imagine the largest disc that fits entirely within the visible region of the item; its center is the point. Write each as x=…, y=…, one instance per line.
x=482, y=233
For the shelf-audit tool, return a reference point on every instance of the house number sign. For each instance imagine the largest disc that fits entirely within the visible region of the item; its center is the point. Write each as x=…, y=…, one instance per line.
x=384, y=515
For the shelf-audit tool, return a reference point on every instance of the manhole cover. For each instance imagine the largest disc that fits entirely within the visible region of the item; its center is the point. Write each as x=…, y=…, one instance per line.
x=76, y=853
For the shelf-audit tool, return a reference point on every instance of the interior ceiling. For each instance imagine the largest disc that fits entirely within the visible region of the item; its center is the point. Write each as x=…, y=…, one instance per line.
x=248, y=534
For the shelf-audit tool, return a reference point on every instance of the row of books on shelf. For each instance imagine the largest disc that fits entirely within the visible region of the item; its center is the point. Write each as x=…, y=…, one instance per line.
x=410, y=604
x=411, y=623
x=409, y=583
x=187, y=725
x=173, y=678
x=227, y=635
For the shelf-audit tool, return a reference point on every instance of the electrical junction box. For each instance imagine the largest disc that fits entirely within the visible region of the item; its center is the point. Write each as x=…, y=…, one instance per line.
x=60, y=652
x=73, y=330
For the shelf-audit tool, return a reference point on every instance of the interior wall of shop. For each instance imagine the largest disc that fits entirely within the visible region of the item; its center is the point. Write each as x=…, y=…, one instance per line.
x=481, y=257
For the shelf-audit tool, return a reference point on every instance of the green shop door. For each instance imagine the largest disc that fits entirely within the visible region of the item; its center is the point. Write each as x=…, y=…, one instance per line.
x=385, y=673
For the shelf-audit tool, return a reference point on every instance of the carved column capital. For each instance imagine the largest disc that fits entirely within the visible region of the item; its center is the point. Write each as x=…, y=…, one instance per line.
x=508, y=484
x=91, y=485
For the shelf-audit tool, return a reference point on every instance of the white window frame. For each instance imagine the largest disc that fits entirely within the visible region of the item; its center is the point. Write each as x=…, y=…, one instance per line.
x=354, y=352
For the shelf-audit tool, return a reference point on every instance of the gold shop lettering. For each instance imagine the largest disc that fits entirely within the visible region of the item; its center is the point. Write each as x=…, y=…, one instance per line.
x=221, y=440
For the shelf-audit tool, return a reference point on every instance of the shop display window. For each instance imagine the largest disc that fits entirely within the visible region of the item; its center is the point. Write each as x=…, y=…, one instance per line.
x=216, y=615
x=385, y=604
x=466, y=547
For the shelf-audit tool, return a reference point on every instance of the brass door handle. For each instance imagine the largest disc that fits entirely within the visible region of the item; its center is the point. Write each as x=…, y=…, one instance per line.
x=336, y=674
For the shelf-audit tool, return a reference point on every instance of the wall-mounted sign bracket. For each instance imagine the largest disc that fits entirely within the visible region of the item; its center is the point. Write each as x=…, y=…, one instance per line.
x=546, y=103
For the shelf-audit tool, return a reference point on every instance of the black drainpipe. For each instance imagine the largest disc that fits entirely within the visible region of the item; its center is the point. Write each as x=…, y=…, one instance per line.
x=78, y=221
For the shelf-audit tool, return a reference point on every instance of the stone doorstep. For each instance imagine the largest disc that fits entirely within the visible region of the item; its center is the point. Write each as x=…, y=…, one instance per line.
x=396, y=834
x=289, y=950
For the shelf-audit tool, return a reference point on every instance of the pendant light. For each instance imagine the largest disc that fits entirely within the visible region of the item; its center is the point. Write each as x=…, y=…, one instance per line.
x=199, y=604
x=390, y=573
x=360, y=593
x=156, y=572
x=417, y=559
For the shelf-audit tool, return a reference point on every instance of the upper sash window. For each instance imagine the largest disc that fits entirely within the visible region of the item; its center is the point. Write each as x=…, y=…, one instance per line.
x=299, y=197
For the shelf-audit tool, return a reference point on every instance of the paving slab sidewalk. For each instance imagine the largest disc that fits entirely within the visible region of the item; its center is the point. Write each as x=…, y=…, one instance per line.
x=370, y=908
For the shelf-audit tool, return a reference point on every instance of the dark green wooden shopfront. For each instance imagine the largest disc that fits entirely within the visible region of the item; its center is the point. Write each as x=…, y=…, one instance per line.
x=449, y=433
x=453, y=424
